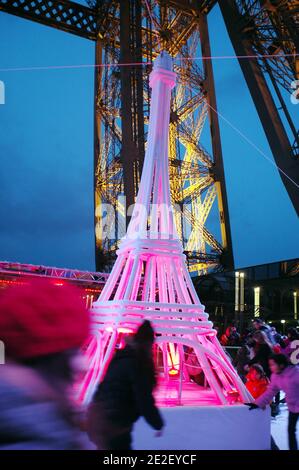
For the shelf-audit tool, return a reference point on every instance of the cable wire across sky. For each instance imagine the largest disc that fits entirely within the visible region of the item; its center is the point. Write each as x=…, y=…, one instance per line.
x=135, y=64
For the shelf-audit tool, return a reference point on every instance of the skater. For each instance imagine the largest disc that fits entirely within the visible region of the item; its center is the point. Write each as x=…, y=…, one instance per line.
x=262, y=350
x=284, y=377
x=256, y=380
x=125, y=394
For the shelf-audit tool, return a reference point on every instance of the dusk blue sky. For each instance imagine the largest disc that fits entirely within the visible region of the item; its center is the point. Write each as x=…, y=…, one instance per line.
x=46, y=149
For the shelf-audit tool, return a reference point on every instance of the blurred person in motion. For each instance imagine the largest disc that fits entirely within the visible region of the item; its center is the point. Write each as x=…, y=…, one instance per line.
x=278, y=340
x=262, y=350
x=231, y=337
x=260, y=325
x=284, y=377
x=42, y=325
x=125, y=394
x=241, y=360
x=291, y=342
x=256, y=380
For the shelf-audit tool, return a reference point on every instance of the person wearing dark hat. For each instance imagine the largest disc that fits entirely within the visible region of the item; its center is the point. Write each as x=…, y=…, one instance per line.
x=42, y=326
x=125, y=394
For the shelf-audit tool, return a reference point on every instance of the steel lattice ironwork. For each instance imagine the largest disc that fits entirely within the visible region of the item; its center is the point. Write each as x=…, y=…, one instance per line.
x=273, y=28
x=127, y=32
x=64, y=15
x=269, y=29
x=193, y=187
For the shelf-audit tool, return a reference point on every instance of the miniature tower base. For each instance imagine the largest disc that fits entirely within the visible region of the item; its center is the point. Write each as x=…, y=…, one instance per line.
x=207, y=428
x=150, y=281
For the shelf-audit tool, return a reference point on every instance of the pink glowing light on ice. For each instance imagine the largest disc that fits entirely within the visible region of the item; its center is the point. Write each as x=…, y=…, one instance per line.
x=123, y=330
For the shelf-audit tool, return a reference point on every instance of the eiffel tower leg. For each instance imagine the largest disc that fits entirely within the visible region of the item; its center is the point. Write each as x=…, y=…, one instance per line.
x=115, y=273
x=165, y=360
x=123, y=280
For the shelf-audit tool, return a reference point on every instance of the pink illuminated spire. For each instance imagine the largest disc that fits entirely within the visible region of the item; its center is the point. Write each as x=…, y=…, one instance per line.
x=150, y=281
x=153, y=210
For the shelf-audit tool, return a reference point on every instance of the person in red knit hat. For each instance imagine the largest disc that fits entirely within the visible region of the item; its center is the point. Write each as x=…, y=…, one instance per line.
x=42, y=325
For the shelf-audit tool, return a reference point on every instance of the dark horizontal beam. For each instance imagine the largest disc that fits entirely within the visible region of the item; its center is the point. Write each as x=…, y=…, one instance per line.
x=190, y=6
x=80, y=20
x=60, y=14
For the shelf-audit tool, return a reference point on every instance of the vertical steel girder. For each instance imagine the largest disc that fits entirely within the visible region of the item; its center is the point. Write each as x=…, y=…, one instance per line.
x=129, y=151
x=97, y=144
x=132, y=152
x=218, y=169
x=273, y=127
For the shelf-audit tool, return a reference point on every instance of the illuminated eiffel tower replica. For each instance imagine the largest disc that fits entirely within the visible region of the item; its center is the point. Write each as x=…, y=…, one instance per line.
x=150, y=281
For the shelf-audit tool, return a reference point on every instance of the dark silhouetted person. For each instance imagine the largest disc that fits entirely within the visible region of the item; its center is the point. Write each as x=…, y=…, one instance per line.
x=231, y=337
x=125, y=394
x=241, y=360
x=261, y=325
x=262, y=351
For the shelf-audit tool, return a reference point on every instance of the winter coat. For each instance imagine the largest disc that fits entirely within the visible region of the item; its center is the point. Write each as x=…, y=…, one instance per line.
x=267, y=330
x=261, y=356
x=126, y=393
x=241, y=360
x=257, y=387
x=32, y=415
x=288, y=381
